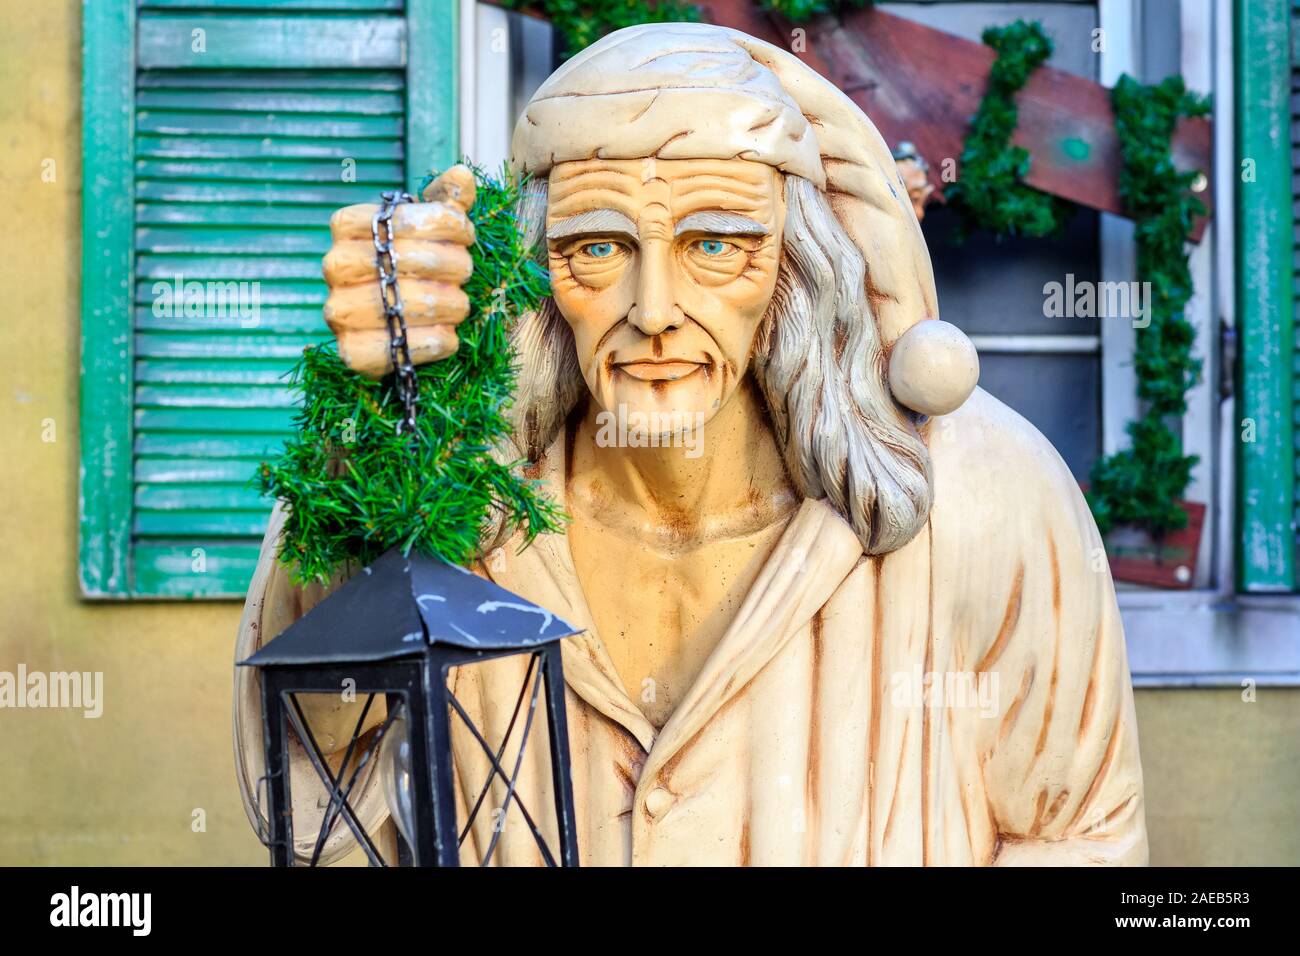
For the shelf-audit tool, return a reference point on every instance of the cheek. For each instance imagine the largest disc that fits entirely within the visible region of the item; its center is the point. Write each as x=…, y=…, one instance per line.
x=589, y=312
x=732, y=312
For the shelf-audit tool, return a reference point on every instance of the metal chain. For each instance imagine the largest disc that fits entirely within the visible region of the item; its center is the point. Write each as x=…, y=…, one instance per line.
x=399, y=348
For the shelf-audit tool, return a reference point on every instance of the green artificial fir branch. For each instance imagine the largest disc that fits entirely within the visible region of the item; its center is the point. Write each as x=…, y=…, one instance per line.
x=354, y=487
x=989, y=192
x=1141, y=485
x=581, y=23
x=800, y=11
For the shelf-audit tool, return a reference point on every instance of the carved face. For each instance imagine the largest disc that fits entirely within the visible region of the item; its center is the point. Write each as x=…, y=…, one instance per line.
x=917, y=180
x=664, y=269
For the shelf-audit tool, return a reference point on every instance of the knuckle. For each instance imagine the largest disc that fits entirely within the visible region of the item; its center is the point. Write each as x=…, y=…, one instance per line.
x=351, y=220
x=347, y=262
x=459, y=308
x=346, y=309
x=433, y=260
x=330, y=266
x=339, y=217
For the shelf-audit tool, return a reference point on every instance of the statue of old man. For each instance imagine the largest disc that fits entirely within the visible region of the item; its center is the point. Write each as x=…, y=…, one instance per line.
x=839, y=607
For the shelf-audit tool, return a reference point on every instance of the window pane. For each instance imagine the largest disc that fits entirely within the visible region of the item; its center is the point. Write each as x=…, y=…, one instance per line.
x=1059, y=394
x=988, y=287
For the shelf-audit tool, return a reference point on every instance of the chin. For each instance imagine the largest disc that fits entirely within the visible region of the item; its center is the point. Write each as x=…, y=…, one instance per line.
x=664, y=407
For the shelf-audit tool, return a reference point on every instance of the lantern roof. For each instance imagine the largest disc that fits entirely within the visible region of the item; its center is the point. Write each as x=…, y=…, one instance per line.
x=400, y=605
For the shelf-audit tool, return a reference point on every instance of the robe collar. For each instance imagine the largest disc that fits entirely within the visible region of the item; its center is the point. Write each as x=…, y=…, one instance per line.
x=812, y=558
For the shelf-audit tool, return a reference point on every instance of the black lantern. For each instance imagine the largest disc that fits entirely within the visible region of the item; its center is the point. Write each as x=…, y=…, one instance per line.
x=395, y=629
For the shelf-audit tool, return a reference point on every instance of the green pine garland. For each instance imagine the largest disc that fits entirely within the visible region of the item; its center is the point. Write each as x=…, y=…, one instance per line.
x=1141, y=484
x=800, y=11
x=354, y=487
x=581, y=23
x=989, y=192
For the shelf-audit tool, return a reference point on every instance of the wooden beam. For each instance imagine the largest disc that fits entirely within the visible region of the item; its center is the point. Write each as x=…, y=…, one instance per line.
x=922, y=84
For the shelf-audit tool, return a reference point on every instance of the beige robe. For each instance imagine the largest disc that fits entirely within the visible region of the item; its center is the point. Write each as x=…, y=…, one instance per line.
x=805, y=740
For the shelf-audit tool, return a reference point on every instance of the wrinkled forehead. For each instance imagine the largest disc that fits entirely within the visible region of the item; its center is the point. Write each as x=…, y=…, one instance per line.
x=678, y=187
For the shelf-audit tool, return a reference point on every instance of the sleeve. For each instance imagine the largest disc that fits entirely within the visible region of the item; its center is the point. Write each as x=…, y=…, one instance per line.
x=1062, y=772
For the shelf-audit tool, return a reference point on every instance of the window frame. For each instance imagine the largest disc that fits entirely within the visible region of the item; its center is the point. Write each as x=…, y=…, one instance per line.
x=107, y=274
x=1219, y=635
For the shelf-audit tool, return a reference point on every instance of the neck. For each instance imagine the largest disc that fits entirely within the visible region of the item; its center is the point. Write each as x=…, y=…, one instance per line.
x=725, y=480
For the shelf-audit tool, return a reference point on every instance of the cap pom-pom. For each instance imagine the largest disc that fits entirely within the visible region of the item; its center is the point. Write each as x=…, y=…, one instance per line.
x=933, y=368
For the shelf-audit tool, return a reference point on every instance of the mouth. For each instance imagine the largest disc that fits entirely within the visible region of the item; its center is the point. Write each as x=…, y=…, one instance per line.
x=658, y=370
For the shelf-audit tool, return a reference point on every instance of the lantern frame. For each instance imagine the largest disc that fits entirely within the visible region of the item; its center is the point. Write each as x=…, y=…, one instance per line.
x=410, y=669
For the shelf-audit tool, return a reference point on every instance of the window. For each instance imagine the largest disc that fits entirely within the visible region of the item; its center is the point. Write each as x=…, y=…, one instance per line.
x=1076, y=383
x=1049, y=369
x=218, y=138
x=1072, y=377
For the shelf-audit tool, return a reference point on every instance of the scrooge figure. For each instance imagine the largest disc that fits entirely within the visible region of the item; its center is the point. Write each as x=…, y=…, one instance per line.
x=839, y=606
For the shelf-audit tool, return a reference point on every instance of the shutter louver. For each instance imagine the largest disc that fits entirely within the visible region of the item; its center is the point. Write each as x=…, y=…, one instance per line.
x=242, y=137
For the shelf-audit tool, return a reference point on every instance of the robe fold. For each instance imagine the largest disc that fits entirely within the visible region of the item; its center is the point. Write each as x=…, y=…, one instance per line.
x=964, y=700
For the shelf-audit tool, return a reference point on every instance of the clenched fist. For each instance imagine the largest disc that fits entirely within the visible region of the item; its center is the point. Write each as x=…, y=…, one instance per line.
x=430, y=248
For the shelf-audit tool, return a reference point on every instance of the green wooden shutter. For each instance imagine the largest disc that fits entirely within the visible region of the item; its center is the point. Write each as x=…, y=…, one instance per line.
x=246, y=123
x=1294, y=390
x=1265, y=250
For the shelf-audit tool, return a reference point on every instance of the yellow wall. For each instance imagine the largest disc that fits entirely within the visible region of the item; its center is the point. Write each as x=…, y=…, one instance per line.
x=122, y=788
x=1222, y=775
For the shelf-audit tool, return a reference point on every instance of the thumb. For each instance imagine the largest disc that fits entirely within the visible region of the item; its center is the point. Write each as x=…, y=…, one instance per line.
x=455, y=186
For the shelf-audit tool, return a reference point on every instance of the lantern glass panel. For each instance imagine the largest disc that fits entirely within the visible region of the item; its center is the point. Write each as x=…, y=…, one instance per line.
x=382, y=742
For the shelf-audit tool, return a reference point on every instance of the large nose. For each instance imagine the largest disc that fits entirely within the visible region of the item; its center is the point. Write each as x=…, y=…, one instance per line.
x=656, y=309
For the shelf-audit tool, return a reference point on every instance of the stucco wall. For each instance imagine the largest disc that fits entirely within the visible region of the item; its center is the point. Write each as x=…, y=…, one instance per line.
x=121, y=788
x=1222, y=775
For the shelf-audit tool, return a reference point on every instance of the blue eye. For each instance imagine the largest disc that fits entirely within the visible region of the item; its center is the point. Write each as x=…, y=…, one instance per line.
x=712, y=247
x=600, y=250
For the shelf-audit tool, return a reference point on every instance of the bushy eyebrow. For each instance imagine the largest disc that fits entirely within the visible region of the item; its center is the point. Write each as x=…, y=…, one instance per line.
x=720, y=224
x=597, y=221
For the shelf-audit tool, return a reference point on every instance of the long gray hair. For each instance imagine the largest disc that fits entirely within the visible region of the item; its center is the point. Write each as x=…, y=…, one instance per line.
x=817, y=360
